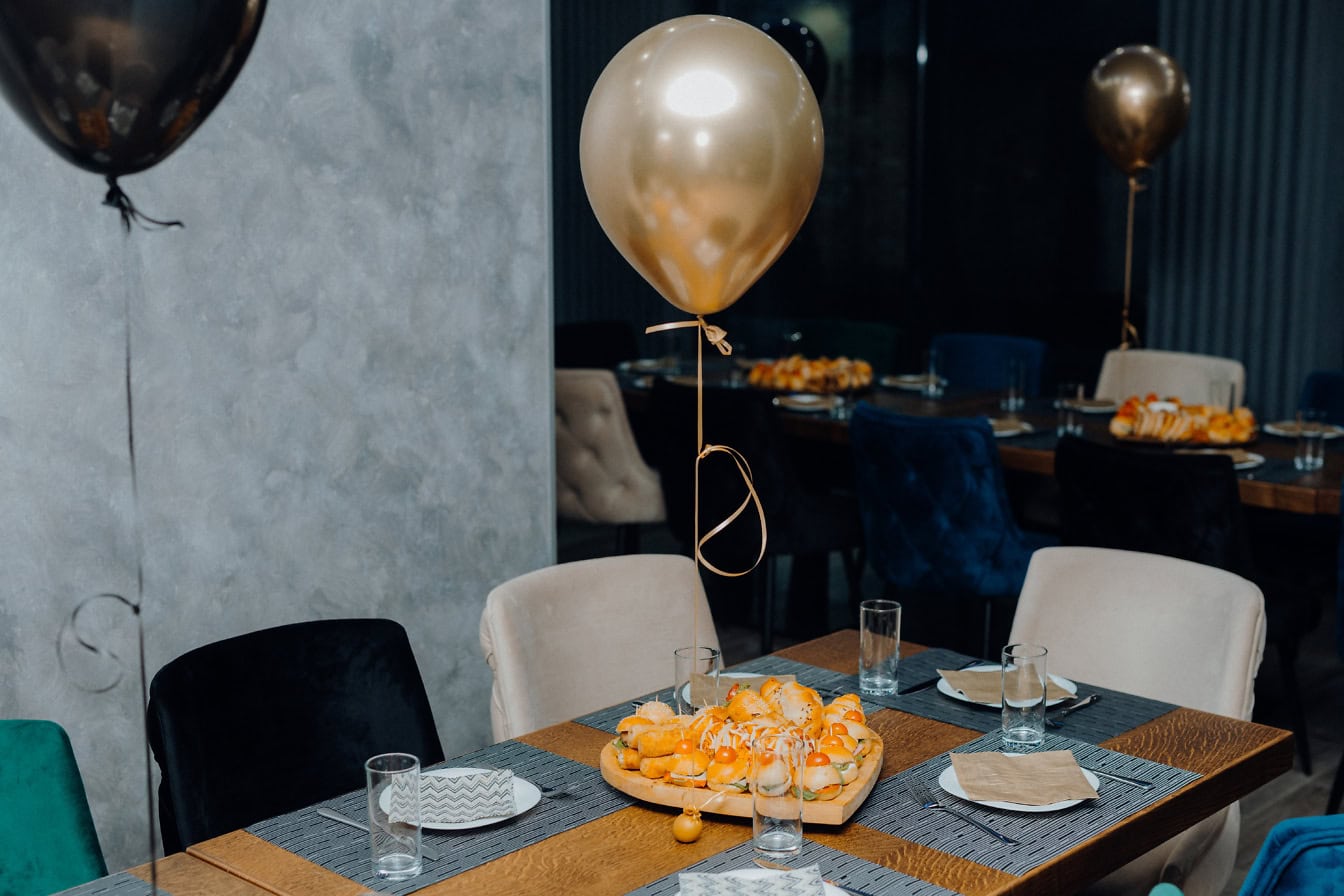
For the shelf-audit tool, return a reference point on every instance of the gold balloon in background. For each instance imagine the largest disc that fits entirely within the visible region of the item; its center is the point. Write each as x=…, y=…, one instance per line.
x=1138, y=101
x=701, y=150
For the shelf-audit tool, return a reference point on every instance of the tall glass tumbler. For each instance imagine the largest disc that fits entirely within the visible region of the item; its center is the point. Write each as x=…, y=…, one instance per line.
x=777, y=795
x=394, y=814
x=1024, y=679
x=1311, y=426
x=696, y=678
x=879, y=646
x=933, y=380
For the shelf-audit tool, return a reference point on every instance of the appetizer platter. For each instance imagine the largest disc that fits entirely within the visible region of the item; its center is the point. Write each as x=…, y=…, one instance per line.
x=1169, y=420
x=798, y=374
x=702, y=762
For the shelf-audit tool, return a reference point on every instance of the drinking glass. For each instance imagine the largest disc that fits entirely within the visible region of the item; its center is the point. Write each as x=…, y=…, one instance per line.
x=1014, y=386
x=879, y=646
x=690, y=662
x=776, y=794
x=1310, y=440
x=1066, y=421
x=1220, y=395
x=1024, y=679
x=933, y=383
x=394, y=814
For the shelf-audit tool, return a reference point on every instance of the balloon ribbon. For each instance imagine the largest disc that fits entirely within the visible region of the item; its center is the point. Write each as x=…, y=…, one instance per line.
x=116, y=198
x=1128, y=331
x=715, y=336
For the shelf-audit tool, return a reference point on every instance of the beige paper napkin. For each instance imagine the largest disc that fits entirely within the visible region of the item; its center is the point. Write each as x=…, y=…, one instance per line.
x=987, y=686
x=1033, y=779
x=704, y=692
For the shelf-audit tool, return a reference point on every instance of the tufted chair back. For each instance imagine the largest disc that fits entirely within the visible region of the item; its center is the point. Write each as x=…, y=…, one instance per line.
x=600, y=476
x=977, y=361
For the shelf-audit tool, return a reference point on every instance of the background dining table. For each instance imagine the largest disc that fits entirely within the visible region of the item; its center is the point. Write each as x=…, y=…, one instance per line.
x=1202, y=762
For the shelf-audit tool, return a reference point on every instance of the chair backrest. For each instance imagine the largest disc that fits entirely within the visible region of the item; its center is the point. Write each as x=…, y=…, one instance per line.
x=47, y=839
x=1324, y=390
x=275, y=720
x=600, y=475
x=1300, y=857
x=1154, y=501
x=979, y=360
x=575, y=637
x=935, y=510
x=1151, y=625
x=1189, y=377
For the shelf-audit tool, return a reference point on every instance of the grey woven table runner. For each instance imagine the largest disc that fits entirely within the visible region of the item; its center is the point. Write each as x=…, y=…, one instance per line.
x=840, y=867
x=1116, y=712
x=123, y=883
x=346, y=851
x=1042, y=835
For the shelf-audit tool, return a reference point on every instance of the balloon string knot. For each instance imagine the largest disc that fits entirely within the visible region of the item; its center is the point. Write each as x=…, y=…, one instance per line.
x=116, y=198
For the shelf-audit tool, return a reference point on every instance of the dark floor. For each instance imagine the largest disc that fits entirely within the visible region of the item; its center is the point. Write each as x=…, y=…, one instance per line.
x=1320, y=673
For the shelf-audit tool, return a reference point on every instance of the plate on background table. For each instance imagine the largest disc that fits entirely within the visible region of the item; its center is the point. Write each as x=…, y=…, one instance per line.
x=807, y=402
x=525, y=796
x=1093, y=405
x=1241, y=460
x=1004, y=427
x=764, y=874
x=911, y=382
x=1288, y=430
x=948, y=781
x=947, y=689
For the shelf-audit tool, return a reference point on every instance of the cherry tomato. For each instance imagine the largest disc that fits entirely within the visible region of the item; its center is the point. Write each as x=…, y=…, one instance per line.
x=684, y=747
x=818, y=759
x=725, y=755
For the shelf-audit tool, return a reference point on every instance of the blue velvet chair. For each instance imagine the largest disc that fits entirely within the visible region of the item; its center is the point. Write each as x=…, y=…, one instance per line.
x=1300, y=857
x=1324, y=389
x=938, y=527
x=47, y=839
x=977, y=361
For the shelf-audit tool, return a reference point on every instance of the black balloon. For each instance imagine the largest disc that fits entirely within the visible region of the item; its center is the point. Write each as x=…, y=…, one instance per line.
x=114, y=86
x=804, y=45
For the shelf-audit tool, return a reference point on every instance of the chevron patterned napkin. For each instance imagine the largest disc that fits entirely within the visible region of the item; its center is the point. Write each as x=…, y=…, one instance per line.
x=799, y=882
x=484, y=794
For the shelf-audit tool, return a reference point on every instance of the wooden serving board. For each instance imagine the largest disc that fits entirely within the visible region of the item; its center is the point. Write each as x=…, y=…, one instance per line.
x=836, y=811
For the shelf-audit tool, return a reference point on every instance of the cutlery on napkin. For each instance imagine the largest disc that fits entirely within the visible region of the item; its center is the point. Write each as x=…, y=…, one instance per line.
x=986, y=685
x=1032, y=779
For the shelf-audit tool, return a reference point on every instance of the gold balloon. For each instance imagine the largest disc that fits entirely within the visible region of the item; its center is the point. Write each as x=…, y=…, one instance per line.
x=1137, y=103
x=701, y=150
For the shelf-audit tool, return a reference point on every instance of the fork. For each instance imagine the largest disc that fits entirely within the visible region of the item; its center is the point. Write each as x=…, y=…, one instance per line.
x=922, y=796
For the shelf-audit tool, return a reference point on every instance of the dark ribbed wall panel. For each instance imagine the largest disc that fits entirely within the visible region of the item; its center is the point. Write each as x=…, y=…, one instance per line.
x=1247, y=234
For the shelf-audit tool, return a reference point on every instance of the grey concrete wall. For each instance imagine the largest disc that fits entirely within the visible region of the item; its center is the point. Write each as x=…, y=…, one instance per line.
x=343, y=387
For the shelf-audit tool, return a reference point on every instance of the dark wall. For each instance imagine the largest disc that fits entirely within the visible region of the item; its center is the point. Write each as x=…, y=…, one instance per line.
x=965, y=194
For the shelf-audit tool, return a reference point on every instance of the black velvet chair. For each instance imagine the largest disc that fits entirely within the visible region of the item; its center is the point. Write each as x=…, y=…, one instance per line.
x=809, y=501
x=939, y=529
x=1187, y=506
x=1324, y=390
x=278, y=719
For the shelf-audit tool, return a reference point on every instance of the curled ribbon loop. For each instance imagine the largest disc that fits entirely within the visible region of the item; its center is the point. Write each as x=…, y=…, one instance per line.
x=752, y=498
x=81, y=644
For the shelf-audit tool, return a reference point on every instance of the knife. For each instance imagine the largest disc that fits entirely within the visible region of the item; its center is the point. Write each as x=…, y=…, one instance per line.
x=426, y=851
x=1053, y=719
x=930, y=682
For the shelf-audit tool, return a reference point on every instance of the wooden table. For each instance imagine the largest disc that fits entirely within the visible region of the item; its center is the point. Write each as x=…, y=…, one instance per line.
x=634, y=846
x=1307, y=493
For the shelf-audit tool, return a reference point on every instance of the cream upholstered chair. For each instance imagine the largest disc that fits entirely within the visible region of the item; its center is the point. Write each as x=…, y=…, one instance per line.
x=600, y=476
x=1162, y=628
x=1190, y=377
x=571, y=638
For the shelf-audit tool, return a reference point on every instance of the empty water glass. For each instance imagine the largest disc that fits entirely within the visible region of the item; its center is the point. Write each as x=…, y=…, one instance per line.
x=933, y=382
x=1310, y=440
x=1014, y=386
x=1066, y=421
x=1024, y=683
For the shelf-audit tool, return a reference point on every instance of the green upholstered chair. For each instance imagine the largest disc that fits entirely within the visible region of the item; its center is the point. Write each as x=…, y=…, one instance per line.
x=47, y=838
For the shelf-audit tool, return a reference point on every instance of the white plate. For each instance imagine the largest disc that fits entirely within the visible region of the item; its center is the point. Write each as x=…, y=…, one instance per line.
x=948, y=781
x=525, y=796
x=912, y=382
x=1004, y=428
x=947, y=689
x=806, y=402
x=1288, y=430
x=1249, y=460
x=763, y=873
x=1092, y=405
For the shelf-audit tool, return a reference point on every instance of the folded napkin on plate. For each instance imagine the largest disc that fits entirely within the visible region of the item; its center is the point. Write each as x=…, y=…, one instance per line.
x=476, y=795
x=799, y=882
x=707, y=689
x=1033, y=779
x=987, y=686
